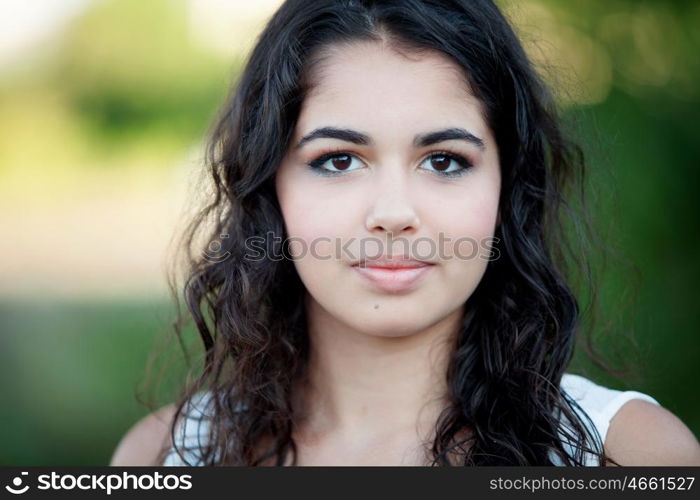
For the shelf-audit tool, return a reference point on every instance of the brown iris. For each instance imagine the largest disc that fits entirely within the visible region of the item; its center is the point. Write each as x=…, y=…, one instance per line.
x=440, y=162
x=341, y=162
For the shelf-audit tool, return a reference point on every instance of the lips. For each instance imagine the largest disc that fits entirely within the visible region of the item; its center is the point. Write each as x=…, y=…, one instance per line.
x=392, y=274
x=391, y=262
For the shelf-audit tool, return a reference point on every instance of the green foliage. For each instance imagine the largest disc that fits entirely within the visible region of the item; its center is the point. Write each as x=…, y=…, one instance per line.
x=129, y=66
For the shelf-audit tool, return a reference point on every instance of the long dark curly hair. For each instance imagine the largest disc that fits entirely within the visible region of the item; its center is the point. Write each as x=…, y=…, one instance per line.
x=520, y=325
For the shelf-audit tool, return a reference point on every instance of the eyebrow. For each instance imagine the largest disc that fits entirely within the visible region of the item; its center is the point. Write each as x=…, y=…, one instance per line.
x=419, y=141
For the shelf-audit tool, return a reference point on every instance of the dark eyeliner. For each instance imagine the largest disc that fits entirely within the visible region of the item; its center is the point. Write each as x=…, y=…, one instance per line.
x=461, y=161
x=317, y=164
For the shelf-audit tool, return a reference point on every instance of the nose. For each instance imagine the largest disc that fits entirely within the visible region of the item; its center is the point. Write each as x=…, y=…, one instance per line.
x=392, y=209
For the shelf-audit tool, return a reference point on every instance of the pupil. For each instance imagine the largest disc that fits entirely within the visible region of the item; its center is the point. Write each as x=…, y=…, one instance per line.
x=441, y=162
x=341, y=162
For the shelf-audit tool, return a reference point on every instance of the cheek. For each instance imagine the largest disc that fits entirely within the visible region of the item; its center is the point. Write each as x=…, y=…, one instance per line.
x=468, y=236
x=466, y=223
x=313, y=220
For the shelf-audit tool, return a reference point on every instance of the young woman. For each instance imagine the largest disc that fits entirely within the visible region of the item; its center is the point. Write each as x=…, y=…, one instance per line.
x=390, y=179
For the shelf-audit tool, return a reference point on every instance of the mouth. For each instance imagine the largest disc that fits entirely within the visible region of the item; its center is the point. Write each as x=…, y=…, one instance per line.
x=395, y=274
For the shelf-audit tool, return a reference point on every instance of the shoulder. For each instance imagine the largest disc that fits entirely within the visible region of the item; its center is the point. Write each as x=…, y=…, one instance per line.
x=634, y=428
x=146, y=439
x=642, y=433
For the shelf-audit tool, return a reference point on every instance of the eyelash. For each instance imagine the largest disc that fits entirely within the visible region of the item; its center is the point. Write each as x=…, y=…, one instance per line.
x=317, y=164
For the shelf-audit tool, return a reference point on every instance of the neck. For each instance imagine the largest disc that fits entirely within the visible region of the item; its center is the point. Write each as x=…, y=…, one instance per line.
x=362, y=385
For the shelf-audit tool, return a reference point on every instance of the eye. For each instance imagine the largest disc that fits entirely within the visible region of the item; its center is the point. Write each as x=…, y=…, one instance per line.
x=447, y=164
x=335, y=163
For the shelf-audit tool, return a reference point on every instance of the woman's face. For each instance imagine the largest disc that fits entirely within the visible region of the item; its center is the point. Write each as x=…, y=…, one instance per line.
x=390, y=235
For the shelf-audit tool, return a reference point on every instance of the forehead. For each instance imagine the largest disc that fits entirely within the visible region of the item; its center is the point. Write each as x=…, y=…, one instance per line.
x=370, y=83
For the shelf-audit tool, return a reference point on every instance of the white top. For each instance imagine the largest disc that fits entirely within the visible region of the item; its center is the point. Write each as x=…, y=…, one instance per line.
x=598, y=402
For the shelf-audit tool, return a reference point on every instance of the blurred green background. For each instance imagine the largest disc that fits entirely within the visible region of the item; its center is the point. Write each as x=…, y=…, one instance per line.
x=103, y=109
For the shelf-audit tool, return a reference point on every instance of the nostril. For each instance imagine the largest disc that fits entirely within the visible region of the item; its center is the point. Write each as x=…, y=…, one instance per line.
x=392, y=221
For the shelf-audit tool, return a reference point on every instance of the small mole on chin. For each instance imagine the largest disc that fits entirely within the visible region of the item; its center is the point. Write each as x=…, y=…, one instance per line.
x=376, y=306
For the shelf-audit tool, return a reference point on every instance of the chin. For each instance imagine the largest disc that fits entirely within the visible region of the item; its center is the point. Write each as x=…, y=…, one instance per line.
x=391, y=323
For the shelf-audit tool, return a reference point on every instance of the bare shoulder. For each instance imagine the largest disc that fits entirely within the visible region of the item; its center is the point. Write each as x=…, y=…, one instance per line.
x=642, y=433
x=145, y=440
